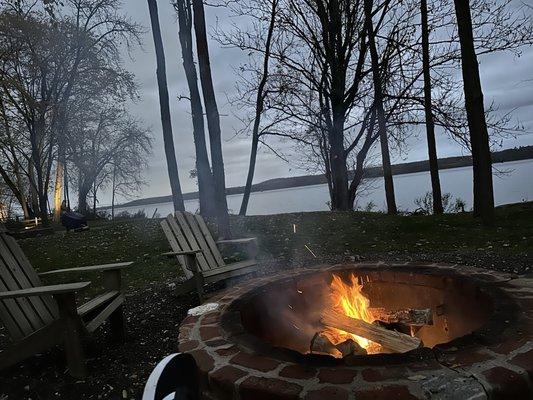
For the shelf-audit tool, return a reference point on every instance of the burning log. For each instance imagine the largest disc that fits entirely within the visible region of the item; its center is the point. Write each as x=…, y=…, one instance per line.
x=407, y=316
x=392, y=340
x=320, y=344
x=350, y=347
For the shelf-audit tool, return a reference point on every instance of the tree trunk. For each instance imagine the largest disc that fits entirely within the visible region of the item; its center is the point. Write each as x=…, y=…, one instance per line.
x=259, y=106
x=361, y=157
x=475, y=110
x=58, y=190
x=203, y=168
x=94, y=199
x=213, y=118
x=430, y=125
x=339, y=171
x=382, y=122
x=13, y=187
x=34, y=198
x=113, y=189
x=168, y=138
x=251, y=171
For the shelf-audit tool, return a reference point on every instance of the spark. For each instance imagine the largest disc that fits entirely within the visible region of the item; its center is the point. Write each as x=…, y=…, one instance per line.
x=296, y=326
x=310, y=251
x=299, y=291
x=293, y=228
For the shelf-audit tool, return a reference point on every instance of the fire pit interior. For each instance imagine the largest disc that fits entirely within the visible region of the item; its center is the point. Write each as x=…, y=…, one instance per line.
x=399, y=310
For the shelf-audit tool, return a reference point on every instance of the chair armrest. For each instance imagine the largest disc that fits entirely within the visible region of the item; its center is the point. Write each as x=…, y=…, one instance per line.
x=181, y=253
x=103, y=267
x=44, y=290
x=237, y=241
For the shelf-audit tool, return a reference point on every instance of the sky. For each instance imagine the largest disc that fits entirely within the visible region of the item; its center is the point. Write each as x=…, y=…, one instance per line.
x=507, y=81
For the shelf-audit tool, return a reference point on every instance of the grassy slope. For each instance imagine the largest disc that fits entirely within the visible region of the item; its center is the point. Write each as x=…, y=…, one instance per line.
x=331, y=236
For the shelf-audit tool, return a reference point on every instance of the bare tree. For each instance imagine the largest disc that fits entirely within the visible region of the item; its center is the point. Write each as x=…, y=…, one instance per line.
x=428, y=109
x=475, y=109
x=168, y=138
x=105, y=137
x=261, y=94
x=203, y=167
x=213, y=118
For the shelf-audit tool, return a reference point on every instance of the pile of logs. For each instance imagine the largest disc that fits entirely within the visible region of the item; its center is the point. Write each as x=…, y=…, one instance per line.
x=392, y=330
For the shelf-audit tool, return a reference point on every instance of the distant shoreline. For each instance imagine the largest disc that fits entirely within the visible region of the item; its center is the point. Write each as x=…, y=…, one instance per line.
x=517, y=154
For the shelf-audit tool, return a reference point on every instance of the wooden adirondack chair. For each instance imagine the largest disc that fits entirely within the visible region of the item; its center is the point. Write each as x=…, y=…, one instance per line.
x=197, y=252
x=39, y=317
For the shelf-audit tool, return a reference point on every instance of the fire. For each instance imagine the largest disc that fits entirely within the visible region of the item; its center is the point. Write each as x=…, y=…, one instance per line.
x=350, y=300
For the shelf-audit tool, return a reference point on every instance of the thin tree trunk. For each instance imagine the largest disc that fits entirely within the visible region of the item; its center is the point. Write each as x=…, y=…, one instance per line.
x=382, y=122
x=58, y=190
x=259, y=106
x=94, y=199
x=475, y=110
x=213, y=118
x=113, y=188
x=251, y=171
x=67, y=195
x=168, y=138
x=203, y=168
x=430, y=124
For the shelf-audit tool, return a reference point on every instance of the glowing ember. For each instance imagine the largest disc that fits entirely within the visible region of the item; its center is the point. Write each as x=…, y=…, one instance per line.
x=350, y=300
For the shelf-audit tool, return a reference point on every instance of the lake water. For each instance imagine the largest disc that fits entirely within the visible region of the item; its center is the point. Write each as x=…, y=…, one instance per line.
x=513, y=183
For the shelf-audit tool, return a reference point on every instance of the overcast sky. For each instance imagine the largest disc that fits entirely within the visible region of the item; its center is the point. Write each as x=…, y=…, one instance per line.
x=507, y=81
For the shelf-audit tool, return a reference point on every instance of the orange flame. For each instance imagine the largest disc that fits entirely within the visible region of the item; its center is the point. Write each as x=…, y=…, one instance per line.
x=350, y=300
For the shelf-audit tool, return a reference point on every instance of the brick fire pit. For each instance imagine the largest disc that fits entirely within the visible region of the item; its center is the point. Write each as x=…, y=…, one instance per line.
x=245, y=349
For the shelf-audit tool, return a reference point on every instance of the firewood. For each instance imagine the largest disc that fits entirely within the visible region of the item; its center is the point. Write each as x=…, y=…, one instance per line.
x=395, y=341
x=350, y=347
x=408, y=316
x=320, y=344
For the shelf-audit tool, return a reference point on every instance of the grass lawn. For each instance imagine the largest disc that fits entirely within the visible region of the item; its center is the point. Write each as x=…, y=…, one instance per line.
x=334, y=237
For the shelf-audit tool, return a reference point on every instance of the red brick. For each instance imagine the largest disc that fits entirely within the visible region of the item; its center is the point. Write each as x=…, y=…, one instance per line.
x=507, y=384
x=329, y=393
x=190, y=319
x=216, y=343
x=227, y=352
x=297, y=372
x=524, y=360
x=188, y=345
x=222, y=381
x=209, y=332
x=203, y=360
x=257, y=388
x=258, y=363
x=508, y=346
x=211, y=318
x=376, y=375
x=470, y=356
x=185, y=333
x=393, y=392
x=336, y=375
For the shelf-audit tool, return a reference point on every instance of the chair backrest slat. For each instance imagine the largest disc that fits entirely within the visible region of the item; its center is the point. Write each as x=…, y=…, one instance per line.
x=175, y=246
x=186, y=231
x=25, y=315
x=200, y=239
x=186, y=238
x=209, y=239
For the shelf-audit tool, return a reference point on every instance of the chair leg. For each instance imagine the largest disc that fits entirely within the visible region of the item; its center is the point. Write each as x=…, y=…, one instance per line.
x=192, y=265
x=72, y=334
x=118, y=328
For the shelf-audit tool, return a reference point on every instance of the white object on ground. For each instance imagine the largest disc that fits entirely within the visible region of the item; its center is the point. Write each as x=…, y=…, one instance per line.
x=203, y=309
